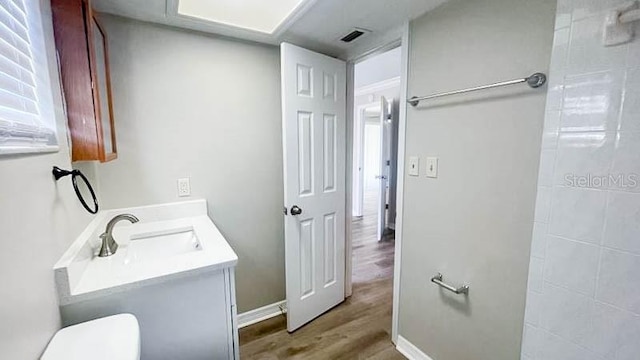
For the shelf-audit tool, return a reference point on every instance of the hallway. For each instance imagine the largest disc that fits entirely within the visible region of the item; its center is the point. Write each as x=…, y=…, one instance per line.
x=372, y=259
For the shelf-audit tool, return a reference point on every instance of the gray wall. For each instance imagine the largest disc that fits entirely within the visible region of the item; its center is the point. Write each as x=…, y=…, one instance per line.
x=39, y=219
x=473, y=223
x=583, y=299
x=193, y=105
x=378, y=68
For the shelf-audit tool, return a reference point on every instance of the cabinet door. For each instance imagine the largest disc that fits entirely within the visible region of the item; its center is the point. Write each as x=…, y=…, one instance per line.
x=102, y=93
x=70, y=20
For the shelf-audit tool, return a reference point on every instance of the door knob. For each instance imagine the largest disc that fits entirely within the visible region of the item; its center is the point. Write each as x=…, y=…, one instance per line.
x=296, y=210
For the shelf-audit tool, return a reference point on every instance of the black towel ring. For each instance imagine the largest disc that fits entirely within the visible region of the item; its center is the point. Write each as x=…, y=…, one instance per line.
x=60, y=173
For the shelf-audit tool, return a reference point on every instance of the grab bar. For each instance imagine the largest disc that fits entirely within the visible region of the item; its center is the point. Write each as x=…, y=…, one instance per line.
x=464, y=289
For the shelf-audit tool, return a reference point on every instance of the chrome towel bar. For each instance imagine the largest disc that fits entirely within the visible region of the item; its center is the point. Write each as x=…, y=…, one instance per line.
x=464, y=289
x=534, y=81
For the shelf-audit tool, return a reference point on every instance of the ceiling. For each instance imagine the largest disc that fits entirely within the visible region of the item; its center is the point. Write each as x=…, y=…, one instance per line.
x=318, y=26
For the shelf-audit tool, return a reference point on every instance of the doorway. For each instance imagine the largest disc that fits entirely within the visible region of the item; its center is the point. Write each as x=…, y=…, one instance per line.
x=374, y=166
x=373, y=331
x=319, y=150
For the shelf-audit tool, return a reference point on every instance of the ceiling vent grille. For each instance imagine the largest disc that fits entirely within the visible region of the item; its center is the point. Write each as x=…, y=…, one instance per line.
x=354, y=34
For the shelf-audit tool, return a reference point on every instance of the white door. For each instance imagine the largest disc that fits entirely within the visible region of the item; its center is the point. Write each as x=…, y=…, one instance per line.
x=385, y=137
x=314, y=143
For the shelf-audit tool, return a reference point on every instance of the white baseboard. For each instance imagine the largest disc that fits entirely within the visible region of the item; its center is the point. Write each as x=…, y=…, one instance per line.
x=261, y=314
x=409, y=350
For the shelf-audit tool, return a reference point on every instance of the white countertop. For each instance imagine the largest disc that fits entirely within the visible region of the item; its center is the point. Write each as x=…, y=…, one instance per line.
x=81, y=274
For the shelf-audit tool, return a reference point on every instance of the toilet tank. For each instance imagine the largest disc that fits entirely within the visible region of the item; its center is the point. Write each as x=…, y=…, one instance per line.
x=108, y=338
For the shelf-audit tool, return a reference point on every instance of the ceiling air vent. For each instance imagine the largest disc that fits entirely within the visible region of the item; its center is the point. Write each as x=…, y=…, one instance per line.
x=354, y=34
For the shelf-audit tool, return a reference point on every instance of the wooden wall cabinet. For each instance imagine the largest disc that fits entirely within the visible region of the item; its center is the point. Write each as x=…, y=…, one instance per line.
x=81, y=45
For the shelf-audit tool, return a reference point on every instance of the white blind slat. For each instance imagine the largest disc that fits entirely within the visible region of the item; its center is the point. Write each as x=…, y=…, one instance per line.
x=9, y=68
x=18, y=117
x=19, y=4
x=16, y=86
x=16, y=13
x=17, y=102
x=14, y=42
x=15, y=55
x=20, y=32
x=12, y=135
x=23, y=78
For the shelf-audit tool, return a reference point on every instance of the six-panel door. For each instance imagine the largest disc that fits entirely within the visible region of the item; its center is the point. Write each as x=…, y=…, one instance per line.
x=314, y=107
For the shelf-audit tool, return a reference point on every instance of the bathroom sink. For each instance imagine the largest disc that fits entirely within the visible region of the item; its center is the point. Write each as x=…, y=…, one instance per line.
x=162, y=244
x=169, y=242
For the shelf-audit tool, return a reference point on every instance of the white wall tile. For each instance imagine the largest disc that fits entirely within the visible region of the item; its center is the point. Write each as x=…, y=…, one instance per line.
x=593, y=124
x=578, y=214
x=536, y=269
x=531, y=341
x=609, y=330
x=559, y=53
x=547, y=163
x=543, y=204
x=572, y=264
x=551, y=129
x=634, y=51
x=566, y=313
x=592, y=102
x=586, y=52
x=533, y=309
x=556, y=348
x=629, y=346
x=539, y=240
x=564, y=10
x=629, y=120
x=626, y=160
x=555, y=93
x=619, y=279
x=622, y=223
x=583, y=156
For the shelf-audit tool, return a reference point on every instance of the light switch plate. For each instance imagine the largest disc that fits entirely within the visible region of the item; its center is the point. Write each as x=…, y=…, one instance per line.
x=432, y=167
x=414, y=166
x=184, y=187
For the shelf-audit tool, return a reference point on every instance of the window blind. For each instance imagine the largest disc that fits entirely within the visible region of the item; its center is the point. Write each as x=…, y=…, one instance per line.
x=22, y=124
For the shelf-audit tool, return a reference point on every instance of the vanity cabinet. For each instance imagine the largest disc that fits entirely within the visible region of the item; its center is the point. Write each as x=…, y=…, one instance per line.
x=186, y=318
x=83, y=57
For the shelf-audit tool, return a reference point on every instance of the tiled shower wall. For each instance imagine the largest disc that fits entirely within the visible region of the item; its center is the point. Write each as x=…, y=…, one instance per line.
x=583, y=299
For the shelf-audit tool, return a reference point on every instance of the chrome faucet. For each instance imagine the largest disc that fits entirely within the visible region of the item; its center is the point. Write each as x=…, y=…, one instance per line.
x=109, y=245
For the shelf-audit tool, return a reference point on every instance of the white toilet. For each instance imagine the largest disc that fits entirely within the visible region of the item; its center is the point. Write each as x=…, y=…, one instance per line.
x=113, y=337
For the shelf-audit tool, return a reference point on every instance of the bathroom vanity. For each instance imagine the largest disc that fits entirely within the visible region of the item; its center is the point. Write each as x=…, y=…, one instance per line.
x=173, y=270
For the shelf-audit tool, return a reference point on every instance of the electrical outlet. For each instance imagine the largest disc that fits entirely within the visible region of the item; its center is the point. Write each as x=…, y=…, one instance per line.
x=184, y=187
